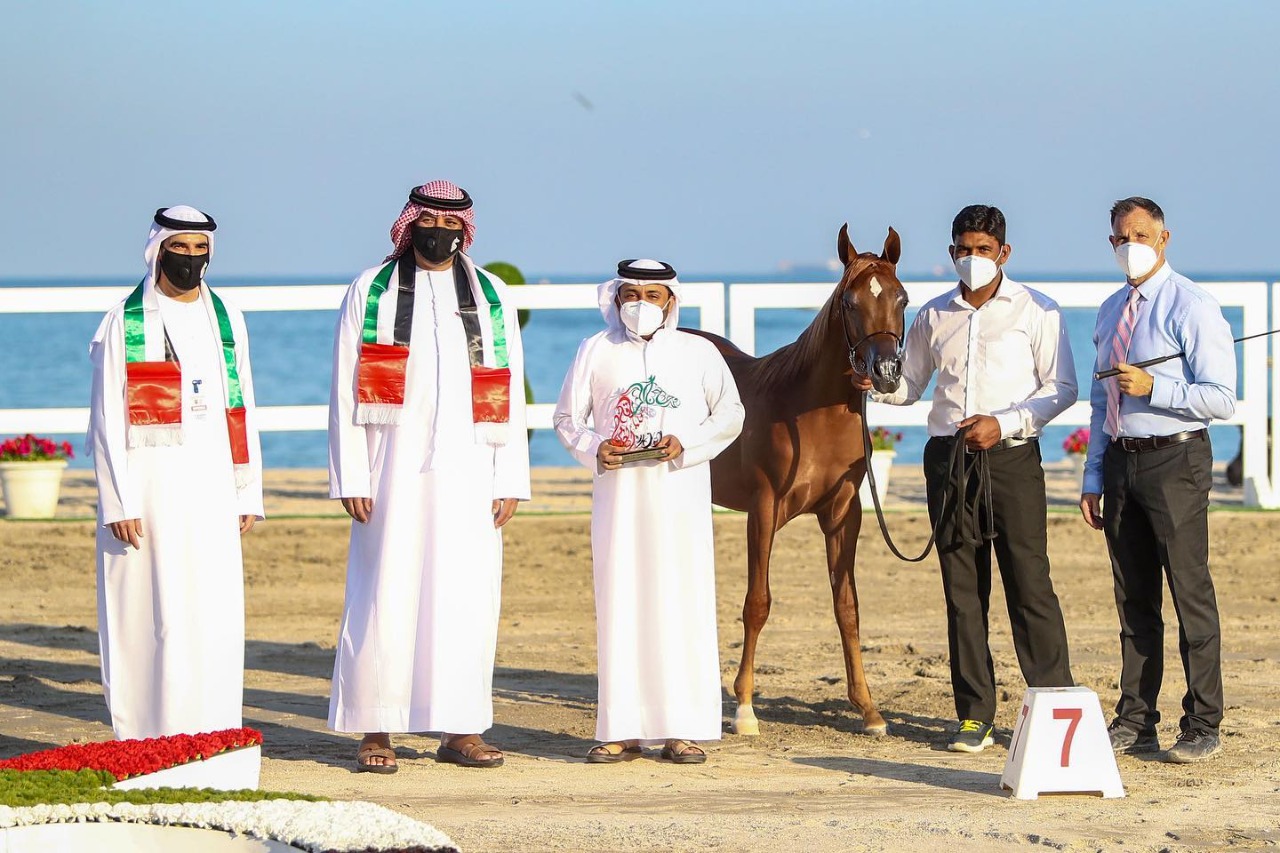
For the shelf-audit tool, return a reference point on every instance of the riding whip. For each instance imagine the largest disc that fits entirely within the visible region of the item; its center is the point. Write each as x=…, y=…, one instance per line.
x=1107, y=374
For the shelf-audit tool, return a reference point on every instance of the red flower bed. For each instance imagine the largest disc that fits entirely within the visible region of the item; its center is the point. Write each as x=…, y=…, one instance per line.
x=125, y=758
x=30, y=448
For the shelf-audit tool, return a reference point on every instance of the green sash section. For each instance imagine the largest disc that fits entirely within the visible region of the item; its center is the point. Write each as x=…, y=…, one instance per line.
x=135, y=336
x=135, y=341
x=235, y=398
x=496, y=320
x=376, y=290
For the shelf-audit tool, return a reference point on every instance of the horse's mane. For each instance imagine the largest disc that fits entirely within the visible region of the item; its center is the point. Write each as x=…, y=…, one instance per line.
x=789, y=363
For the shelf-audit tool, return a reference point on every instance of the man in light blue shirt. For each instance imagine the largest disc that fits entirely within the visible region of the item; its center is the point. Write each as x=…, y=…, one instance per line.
x=1147, y=478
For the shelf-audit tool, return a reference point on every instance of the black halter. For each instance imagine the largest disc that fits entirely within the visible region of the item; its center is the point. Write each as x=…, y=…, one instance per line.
x=858, y=363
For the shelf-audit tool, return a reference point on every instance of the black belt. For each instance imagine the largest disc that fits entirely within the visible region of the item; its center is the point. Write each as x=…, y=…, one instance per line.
x=1002, y=444
x=1158, y=442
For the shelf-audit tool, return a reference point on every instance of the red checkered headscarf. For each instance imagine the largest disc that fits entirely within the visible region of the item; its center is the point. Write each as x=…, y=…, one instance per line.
x=402, y=234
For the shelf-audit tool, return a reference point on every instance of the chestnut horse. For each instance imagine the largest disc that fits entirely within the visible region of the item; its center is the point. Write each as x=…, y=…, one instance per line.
x=801, y=449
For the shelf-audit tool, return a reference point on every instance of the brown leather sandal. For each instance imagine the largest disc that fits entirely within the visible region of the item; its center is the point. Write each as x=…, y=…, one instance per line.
x=682, y=752
x=602, y=753
x=463, y=751
x=371, y=749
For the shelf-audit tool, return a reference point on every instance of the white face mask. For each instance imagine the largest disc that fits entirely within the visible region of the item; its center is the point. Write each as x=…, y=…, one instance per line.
x=976, y=272
x=1136, y=259
x=643, y=318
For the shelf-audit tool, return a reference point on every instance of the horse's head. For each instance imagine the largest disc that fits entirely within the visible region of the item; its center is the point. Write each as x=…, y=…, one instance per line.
x=873, y=307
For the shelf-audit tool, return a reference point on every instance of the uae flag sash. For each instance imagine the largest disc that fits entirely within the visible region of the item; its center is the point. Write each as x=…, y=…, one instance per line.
x=154, y=381
x=388, y=330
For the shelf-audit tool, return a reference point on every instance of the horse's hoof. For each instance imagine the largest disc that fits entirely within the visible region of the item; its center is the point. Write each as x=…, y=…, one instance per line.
x=746, y=724
x=873, y=725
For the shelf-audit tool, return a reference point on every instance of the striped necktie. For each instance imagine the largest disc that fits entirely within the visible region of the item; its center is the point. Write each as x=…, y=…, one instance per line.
x=1119, y=353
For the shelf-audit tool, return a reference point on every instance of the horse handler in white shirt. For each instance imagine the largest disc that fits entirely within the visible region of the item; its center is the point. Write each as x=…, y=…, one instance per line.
x=1005, y=370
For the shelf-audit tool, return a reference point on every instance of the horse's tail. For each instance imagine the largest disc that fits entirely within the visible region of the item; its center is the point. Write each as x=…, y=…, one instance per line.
x=727, y=348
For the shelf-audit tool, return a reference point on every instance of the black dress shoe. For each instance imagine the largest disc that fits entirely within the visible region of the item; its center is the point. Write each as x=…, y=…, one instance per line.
x=1132, y=741
x=1194, y=745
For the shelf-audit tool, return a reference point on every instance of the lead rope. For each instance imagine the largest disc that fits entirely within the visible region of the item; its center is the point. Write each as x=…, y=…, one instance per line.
x=957, y=485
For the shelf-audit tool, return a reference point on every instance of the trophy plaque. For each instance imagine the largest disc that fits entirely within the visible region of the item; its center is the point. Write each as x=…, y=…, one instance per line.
x=635, y=448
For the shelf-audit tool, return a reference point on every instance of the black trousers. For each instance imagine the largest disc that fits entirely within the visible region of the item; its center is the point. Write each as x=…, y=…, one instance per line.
x=1155, y=512
x=1018, y=510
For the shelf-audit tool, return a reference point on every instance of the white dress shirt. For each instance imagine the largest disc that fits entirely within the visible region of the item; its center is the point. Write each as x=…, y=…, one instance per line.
x=1009, y=359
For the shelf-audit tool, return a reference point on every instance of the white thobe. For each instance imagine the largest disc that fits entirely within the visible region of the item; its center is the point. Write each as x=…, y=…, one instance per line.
x=651, y=537
x=171, y=614
x=420, y=622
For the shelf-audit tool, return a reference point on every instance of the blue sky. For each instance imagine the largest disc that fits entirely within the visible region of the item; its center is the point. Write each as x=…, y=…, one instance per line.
x=722, y=136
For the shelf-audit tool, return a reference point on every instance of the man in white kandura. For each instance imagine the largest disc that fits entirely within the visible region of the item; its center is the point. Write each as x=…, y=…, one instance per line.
x=175, y=453
x=429, y=455
x=643, y=387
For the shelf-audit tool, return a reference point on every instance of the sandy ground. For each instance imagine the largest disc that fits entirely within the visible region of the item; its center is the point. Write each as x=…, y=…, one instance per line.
x=810, y=781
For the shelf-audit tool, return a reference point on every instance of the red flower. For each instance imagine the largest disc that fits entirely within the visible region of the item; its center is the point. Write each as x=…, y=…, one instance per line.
x=125, y=758
x=29, y=448
x=1077, y=442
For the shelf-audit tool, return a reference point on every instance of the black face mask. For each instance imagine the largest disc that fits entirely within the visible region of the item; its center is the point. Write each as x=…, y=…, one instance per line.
x=183, y=271
x=437, y=244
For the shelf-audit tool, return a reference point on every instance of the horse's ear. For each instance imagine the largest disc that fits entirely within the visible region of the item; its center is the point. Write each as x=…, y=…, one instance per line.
x=844, y=249
x=892, y=247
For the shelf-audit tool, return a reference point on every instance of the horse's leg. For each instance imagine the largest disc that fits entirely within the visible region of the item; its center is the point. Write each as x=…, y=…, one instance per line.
x=755, y=610
x=841, y=523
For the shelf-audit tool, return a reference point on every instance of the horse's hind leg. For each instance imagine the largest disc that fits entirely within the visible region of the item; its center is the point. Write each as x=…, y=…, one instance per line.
x=841, y=530
x=755, y=611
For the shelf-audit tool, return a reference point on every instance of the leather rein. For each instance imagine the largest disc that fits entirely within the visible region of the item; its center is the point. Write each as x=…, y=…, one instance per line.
x=957, y=486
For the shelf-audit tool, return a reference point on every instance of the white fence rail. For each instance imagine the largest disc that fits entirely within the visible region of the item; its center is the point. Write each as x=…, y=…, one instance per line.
x=708, y=297
x=745, y=300
x=1251, y=408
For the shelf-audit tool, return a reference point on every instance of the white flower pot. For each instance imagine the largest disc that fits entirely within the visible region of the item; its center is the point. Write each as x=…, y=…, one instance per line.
x=1075, y=465
x=881, y=465
x=31, y=488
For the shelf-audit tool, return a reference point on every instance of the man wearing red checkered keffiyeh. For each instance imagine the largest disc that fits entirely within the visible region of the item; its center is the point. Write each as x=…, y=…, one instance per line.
x=433, y=198
x=429, y=455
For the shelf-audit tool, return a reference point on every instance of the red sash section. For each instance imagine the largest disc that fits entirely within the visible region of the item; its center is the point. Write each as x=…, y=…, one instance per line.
x=154, y=392
x=490, y=394
x=238, y=432
x=380, y=378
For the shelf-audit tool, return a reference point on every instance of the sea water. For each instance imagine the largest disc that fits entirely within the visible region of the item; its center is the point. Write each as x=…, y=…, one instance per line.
x=45, y=361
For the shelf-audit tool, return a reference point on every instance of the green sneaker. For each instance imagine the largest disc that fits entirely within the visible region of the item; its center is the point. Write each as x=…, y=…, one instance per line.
x=972, y=736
